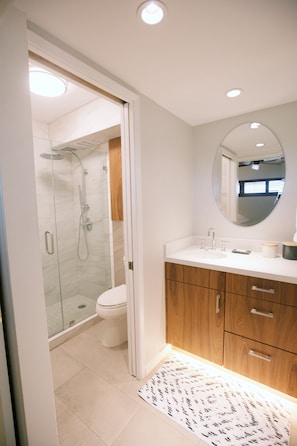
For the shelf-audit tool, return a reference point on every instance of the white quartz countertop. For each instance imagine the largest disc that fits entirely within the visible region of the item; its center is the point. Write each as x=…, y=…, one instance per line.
x=253, y=264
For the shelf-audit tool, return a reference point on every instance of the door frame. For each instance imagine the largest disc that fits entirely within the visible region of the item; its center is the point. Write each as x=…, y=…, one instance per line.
x=130, y=132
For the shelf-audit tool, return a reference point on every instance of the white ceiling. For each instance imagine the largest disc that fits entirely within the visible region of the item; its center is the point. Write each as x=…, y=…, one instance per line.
x=188, y=62
x=48, y=110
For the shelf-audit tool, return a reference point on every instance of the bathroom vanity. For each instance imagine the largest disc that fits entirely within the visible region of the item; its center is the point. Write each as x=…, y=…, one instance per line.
x=237, y=311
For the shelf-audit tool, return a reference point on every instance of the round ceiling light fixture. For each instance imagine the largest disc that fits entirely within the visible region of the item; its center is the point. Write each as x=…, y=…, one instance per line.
x=255, y=125
x=46, y=84
x=234, y=92
x=151, y=12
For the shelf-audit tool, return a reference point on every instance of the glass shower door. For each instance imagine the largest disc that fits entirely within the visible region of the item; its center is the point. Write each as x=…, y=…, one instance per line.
x=45, y=188
x=75, y=234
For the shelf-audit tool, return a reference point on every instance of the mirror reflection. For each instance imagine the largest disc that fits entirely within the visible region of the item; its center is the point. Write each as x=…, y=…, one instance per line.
x=248, y=174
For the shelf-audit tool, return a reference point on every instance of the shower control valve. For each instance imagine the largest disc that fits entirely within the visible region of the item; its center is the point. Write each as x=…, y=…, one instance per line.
x=89, y=224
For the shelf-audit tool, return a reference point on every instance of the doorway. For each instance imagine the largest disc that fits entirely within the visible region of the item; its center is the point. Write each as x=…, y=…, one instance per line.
x=81, y=242
x=84, y=74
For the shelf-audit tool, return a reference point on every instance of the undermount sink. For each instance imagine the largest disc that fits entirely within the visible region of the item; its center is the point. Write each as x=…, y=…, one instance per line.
x=210, y=254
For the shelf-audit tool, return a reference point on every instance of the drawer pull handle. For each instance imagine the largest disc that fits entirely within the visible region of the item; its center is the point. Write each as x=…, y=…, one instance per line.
x=263, y=290
x=261, y=313
x=260, y=355
x=218, y=298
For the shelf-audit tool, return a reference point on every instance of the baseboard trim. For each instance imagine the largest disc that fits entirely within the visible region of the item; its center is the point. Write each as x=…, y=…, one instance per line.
x=157, y=359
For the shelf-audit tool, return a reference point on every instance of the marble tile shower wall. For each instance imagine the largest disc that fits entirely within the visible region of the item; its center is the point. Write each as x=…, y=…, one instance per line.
x=95, y=273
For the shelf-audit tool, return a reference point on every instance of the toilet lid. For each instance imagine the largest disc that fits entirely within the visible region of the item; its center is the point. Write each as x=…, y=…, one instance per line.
x=114, y=296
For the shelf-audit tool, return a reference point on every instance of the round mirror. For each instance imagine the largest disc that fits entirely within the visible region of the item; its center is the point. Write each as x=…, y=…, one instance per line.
x=248, y=174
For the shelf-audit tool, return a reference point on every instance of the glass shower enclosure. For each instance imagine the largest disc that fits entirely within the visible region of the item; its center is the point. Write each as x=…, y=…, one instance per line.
x=74, y=225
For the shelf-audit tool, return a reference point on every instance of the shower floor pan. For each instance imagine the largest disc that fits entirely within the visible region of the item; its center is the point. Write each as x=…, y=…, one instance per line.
x=75, y=309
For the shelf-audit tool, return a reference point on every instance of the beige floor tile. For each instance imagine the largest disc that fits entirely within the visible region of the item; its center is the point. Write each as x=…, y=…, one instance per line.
x=109, y=363
x=102, y=407
x=131, y=387
x=64, y=367
x=98, y=403
x=147, y=429
x=72, y=432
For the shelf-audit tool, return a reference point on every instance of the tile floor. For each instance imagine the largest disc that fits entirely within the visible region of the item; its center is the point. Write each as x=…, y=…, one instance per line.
x=97, y=402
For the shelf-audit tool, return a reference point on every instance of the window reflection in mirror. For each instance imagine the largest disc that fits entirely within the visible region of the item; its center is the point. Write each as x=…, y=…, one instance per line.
x=248, y=174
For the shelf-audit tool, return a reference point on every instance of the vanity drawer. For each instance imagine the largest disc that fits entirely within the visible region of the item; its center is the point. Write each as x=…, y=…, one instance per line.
x=195, y=276
x=271, y=290
x=173, y=271
x=268, y=365
x=208, y=278
x=264, y=321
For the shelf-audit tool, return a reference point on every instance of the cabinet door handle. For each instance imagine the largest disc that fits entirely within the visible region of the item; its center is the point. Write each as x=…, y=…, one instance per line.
x=260, y=355
x=263, y=290
x=218, y=298
x=261, y=313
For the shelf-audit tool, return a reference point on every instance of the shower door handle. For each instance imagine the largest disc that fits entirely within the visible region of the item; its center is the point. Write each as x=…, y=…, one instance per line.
x=49, y=247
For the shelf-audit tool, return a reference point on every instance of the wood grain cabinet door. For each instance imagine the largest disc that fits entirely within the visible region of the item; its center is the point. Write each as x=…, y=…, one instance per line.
x=204, y=322
x=175, y=313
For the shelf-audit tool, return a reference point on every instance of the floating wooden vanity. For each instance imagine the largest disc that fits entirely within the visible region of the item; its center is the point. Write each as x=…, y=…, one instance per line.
x=247, y=324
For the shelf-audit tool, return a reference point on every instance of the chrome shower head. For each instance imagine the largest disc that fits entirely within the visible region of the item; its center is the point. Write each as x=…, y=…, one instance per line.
x=52, y=156
x=66, y=149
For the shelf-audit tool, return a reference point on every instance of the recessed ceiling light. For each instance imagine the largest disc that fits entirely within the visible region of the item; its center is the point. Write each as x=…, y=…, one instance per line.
x=46, y=84
x=151, y=12
x=233, y=93
x=260, y=144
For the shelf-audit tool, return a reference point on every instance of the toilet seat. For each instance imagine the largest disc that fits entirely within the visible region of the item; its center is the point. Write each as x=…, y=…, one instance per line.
x=113, y=298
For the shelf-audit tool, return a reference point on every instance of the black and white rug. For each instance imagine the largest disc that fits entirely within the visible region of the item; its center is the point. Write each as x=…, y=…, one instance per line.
x=216, y=409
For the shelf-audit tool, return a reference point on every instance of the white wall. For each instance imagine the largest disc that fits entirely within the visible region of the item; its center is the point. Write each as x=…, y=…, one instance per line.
x=167, y=207
x=23, y=293
x=280, y=225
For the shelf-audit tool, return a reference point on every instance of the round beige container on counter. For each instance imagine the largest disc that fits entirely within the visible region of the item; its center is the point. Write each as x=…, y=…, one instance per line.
x=269, y=249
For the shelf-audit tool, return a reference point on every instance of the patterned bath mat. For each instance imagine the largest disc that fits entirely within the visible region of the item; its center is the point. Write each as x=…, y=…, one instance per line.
x=217, y=410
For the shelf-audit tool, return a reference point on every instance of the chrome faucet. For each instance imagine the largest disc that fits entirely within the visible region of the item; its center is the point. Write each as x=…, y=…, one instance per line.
x=211, y=232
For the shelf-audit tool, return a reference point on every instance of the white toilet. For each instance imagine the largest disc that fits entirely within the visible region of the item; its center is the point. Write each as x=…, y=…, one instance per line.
x=112, y=306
